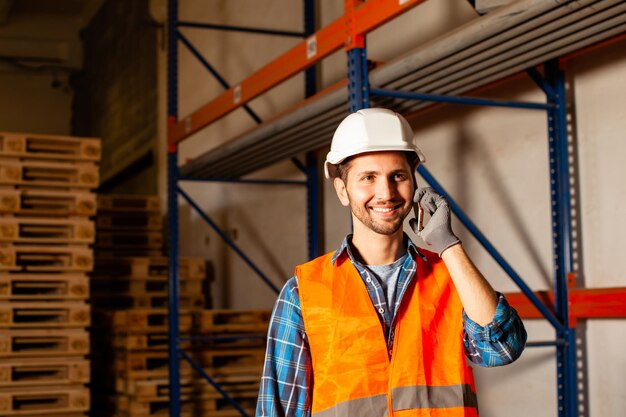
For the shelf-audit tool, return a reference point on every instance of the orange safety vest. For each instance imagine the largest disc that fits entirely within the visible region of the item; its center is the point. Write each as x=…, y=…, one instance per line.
x=354, y=375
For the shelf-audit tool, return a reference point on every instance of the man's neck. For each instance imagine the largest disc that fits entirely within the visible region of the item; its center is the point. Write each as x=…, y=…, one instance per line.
x=376, y=249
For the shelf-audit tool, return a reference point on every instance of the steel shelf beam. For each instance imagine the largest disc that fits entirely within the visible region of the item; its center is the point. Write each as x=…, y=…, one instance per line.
x=585, y=303
x=324, y=42
x=244, y=29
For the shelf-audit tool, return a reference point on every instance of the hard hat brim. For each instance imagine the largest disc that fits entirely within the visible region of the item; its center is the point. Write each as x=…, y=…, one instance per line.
x=334, y=158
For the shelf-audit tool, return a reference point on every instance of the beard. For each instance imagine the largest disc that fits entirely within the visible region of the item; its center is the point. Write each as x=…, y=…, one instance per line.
x=381, y=226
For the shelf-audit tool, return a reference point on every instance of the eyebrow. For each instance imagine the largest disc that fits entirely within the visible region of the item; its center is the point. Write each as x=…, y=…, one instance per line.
x=396, y=171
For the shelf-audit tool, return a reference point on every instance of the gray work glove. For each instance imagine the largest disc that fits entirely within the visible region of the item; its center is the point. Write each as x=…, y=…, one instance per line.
x=437, y=233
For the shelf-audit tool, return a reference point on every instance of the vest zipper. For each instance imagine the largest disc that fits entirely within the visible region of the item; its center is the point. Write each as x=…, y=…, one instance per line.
x=390, y=382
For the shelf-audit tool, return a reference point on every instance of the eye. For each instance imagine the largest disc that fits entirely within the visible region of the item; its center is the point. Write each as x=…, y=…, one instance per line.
x=367, y=178
x=398, y=176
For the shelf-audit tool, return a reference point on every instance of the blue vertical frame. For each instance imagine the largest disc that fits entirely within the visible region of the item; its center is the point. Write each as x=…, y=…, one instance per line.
x=172, y=211
x=560, y=198
x=310, y=169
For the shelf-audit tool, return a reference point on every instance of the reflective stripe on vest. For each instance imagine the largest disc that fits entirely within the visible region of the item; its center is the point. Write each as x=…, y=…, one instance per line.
x=353, y=373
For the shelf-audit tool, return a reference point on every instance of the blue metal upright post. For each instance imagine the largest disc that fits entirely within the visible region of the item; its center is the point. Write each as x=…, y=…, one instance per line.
x=567, y=389
x=315, y=220
x=172, y=212
x=358, y=85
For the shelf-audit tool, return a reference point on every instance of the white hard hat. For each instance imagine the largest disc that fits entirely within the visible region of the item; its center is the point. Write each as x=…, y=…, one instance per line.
x=369, y=130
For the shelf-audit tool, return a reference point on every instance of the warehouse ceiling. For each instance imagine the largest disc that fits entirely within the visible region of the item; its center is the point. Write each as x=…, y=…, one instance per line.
x=44, y=34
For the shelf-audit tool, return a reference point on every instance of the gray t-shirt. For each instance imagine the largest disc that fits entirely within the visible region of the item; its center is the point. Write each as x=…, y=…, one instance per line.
x=387, y=276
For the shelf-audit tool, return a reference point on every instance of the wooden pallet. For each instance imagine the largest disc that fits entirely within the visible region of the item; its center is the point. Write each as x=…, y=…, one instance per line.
x=200, y=404
x=19, y=401
x=145, y=301
x=141, y=286
x=43, y=287
x=45, y=258
x=199, y=388
x=43, y=342
x=28, y=145
x=211, y=321
x=129, y=240
x=119, y=221
x=35, y=202
x=133, y=366
x=44, y=314
x=148, y=320
x=49, y=174
x=188, y=409
x=141, y=342
x=149, y=267
x=111, y=254
x=46, y=230
x=129, y=203
x=44, y=371
x=233, y=362
x=221, y=363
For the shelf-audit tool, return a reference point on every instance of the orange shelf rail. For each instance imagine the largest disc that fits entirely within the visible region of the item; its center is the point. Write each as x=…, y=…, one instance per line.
x=359, y=19
x=585, y=303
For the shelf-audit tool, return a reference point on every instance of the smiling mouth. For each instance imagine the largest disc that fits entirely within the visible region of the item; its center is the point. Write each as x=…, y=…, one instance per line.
x=385, y=210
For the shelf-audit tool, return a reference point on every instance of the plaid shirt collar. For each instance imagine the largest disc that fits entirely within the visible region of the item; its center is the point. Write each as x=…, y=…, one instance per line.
x=345, y=250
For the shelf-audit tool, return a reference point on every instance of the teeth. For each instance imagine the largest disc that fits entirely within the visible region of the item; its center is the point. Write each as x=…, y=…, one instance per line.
x=382, y=209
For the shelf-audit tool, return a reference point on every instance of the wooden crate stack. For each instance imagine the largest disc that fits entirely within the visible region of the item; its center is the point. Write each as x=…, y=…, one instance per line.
x=130, y=295
x=45, y=256
x=231, y=352
x=130, y=313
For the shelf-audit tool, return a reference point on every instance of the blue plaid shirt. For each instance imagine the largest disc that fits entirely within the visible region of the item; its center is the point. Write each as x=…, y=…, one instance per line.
x=287, y=374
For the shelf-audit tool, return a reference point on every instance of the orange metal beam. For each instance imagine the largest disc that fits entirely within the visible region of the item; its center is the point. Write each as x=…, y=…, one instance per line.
x=594, y=303
x=327, y=40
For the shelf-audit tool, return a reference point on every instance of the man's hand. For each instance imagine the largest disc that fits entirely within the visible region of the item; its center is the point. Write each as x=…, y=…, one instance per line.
x=437, y=233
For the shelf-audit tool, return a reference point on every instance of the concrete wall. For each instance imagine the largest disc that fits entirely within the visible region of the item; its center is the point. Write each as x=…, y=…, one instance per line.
x=30, y=103
x=116, y=95
x=493, y=161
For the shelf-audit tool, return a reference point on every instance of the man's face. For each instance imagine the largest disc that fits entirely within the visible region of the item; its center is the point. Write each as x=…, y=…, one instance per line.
x=379, y=191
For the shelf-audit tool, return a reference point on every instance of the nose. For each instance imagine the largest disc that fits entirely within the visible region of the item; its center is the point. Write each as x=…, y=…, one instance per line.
x=385, y=189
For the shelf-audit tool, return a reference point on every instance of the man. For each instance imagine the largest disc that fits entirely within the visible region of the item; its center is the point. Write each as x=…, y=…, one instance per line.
x=380, y=327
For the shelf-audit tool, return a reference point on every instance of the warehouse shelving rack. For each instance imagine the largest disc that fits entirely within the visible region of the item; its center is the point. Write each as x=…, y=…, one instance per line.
x=602, y=22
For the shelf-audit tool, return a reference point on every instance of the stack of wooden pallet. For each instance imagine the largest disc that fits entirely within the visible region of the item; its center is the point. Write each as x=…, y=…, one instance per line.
x=129, y=225
x=45, y=255
x=129, y=291
x=132, y=338
x=229, y=345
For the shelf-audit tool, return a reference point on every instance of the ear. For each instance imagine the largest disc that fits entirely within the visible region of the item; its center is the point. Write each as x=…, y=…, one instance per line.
x=342, y=192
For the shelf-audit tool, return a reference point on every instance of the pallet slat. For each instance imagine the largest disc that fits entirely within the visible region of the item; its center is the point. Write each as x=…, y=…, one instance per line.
x=47, y=314
x=43, y=342
x=201, y=404
x=43, y=400
x=129, y=240
x=142, y=286
x=46, y=230
x=50, y=174
x=45, y=258
x=130, y=221
x=211, y=321
x=34, y=202
x=43, y=371
x=149, y=267
x=128, y=203
x=28, y=145
x=43, y=287
x=149, y=320
x=145, y=301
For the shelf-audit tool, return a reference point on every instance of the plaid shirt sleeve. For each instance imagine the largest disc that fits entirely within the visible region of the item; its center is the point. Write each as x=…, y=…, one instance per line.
x=499, y=342
x=287, y=371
